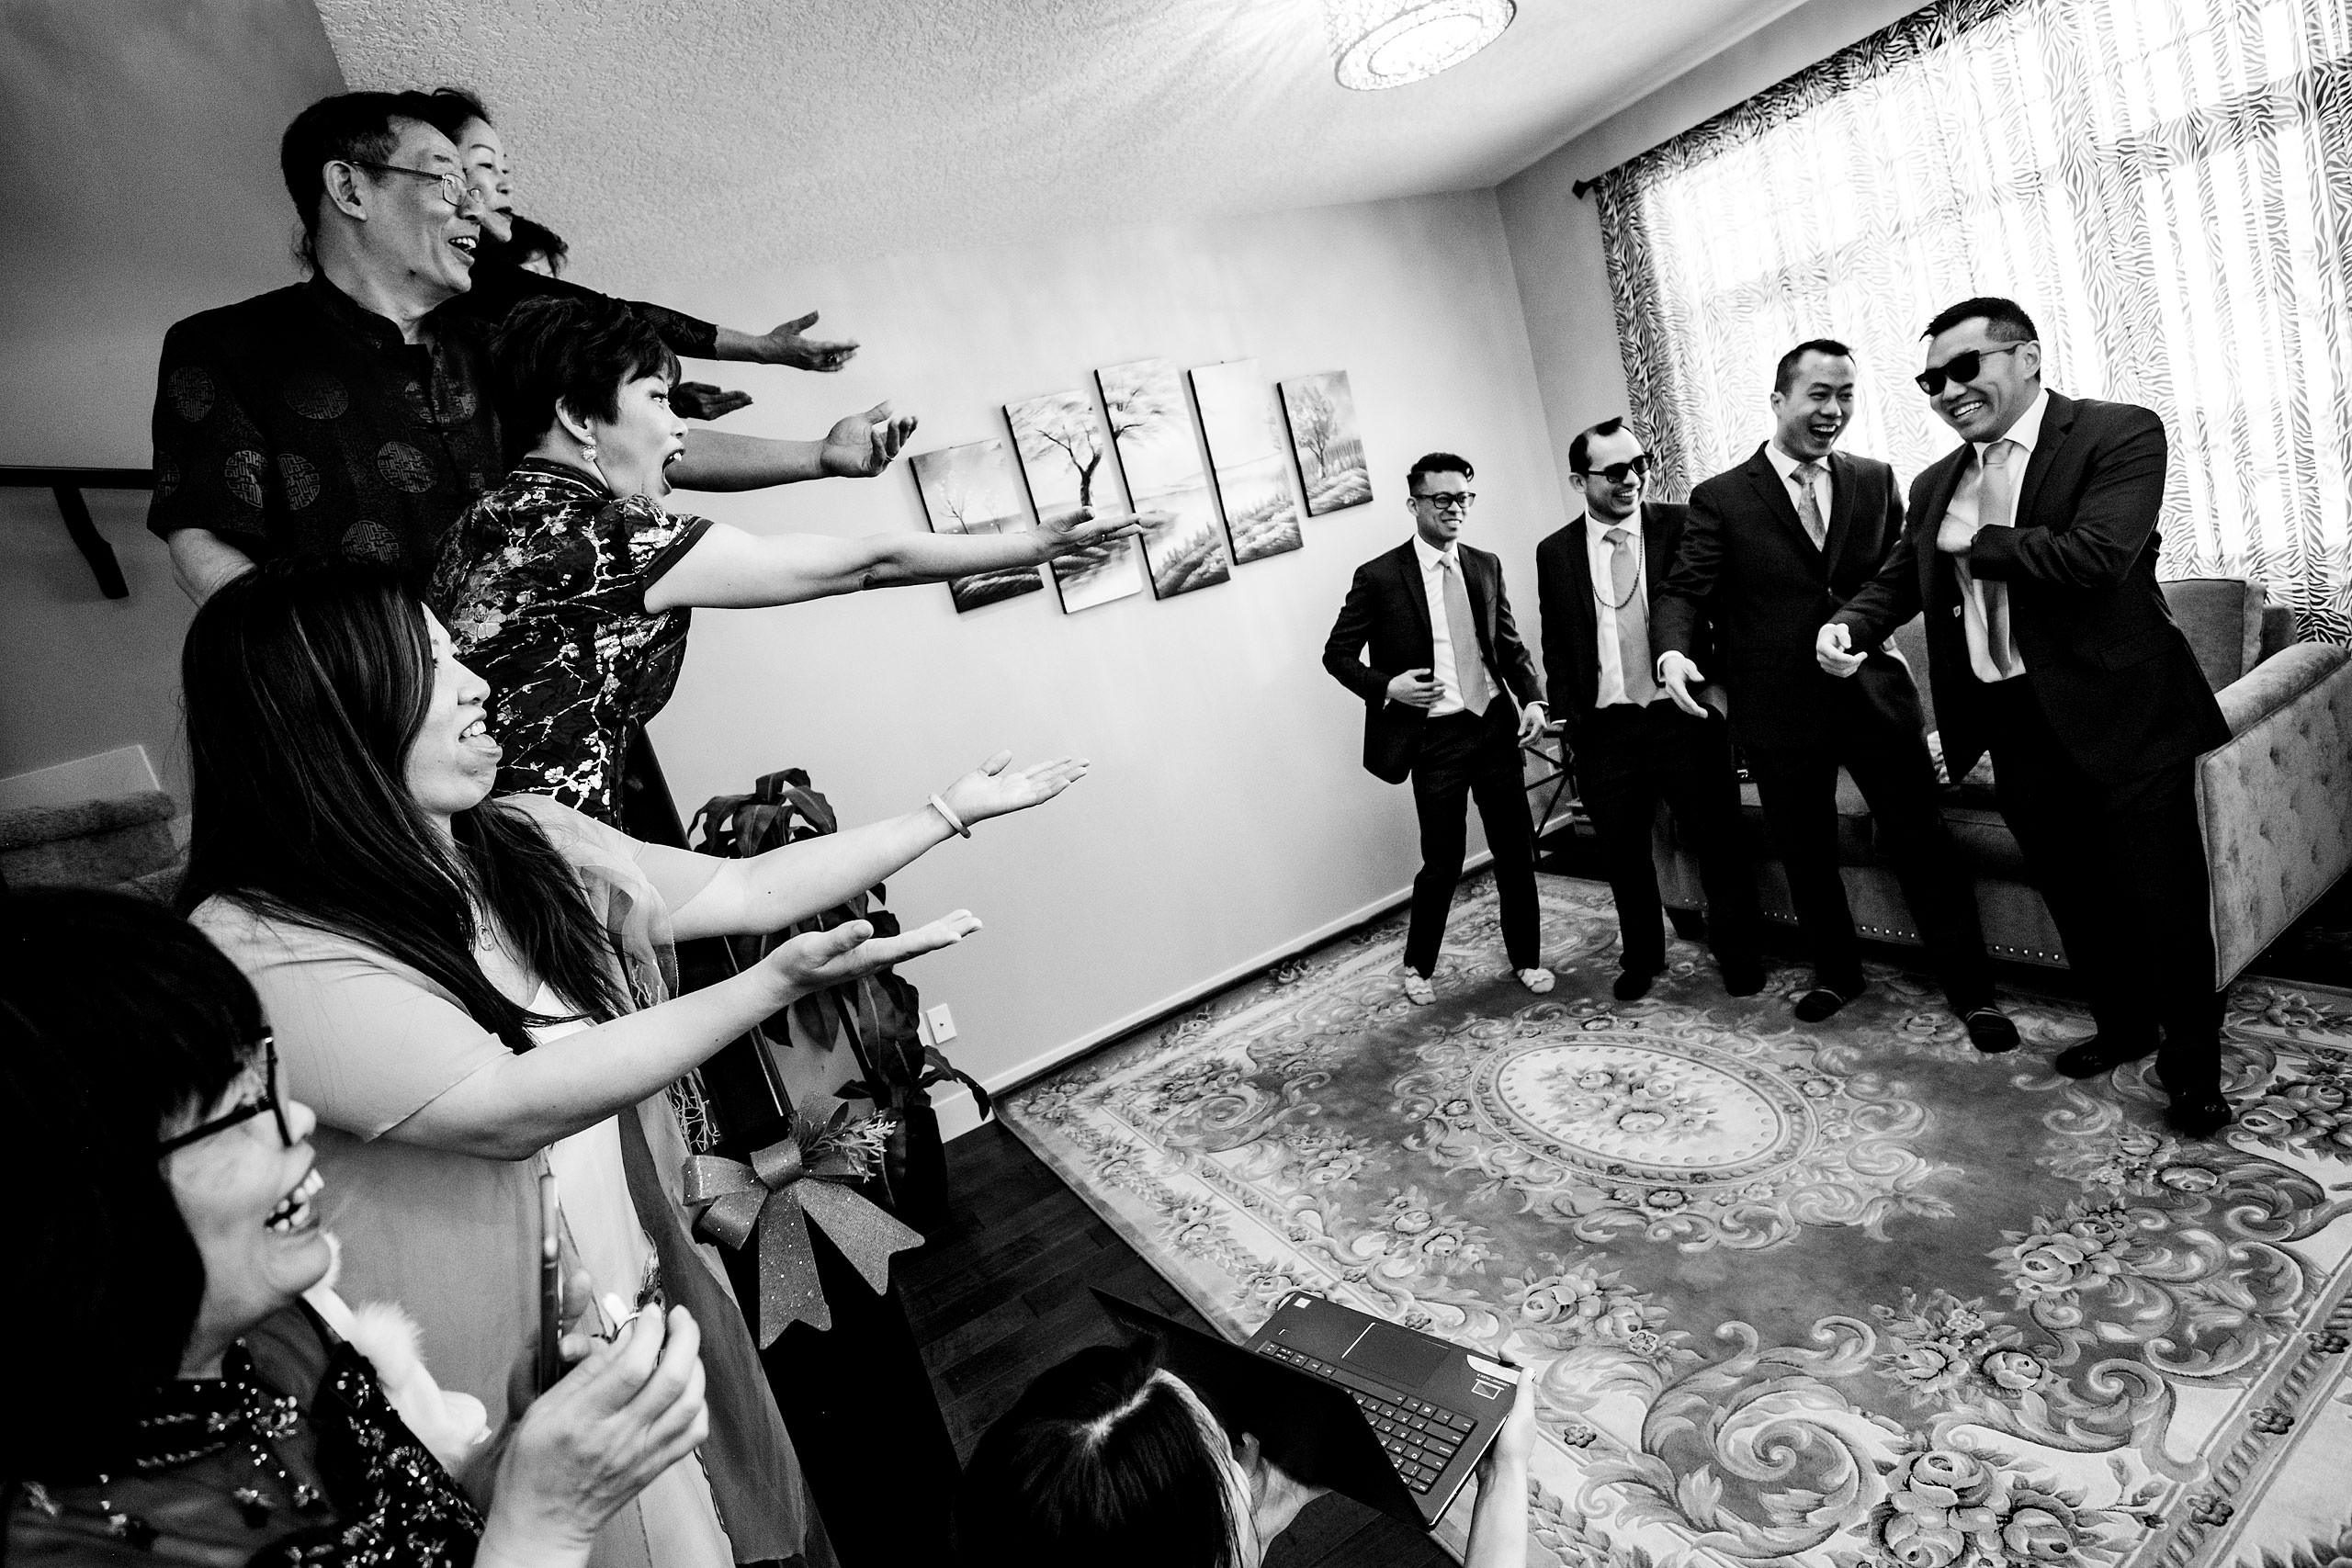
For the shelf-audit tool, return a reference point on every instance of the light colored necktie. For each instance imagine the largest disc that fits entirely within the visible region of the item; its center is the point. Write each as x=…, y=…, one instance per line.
x=1469, y=668
x=1809, y=505
x=1995, y=499
x=1632, y=619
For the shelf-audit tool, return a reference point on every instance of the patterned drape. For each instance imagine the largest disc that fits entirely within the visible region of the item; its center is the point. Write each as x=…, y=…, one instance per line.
x=2165, y=184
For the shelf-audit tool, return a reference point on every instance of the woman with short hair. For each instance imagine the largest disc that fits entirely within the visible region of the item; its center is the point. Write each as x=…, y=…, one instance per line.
x=181, y=1396
x=571, y=585
x=475, y=992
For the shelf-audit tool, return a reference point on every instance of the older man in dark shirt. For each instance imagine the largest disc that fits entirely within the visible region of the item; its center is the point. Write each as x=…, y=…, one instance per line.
x=351, y=414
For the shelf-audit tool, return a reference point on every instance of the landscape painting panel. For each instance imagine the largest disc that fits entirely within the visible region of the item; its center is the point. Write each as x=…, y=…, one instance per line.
x=1245, y=455
x=1061, y=445
x=1182, y=545
x=1322, y=414
x=970, y=490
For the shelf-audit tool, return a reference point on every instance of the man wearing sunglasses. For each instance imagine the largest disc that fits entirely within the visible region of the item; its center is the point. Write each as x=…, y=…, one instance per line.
x=1449, y=695
x=2032, y=552
x=1773, y=547
x=1597, y=580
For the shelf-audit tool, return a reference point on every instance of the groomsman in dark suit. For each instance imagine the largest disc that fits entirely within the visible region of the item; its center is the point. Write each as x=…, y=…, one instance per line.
x=1596, y=579
x=1773, y=547
x=1449, y=694
x=2032, y=550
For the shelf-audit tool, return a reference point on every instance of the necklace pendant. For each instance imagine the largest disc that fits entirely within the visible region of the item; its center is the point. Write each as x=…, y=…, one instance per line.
x=252, y=1505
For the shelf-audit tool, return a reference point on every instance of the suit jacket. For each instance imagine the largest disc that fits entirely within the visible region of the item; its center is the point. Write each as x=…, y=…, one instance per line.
x=1387, y=611
x=1747, y=568
x=1571, y=622
x=2117, y=678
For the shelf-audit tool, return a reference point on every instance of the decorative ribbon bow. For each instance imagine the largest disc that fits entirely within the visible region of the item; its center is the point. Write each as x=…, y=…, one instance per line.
x=786, y=1184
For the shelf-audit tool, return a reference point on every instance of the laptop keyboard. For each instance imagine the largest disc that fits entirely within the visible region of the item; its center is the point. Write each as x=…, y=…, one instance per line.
x=1421, y=1438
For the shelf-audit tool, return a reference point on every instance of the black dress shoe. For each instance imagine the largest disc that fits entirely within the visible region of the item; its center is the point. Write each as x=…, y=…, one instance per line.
x=2198, y=1118
x=2098, y=1055
x=1990, y=1030
x=1632, y=984
x=1822, y=1001
x=1743, y=979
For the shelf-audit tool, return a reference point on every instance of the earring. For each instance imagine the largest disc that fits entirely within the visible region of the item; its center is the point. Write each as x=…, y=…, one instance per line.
x=588, y=450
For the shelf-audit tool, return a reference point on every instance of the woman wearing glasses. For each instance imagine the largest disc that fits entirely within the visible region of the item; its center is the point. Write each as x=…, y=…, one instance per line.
x=188, y=1402
x=472, y=993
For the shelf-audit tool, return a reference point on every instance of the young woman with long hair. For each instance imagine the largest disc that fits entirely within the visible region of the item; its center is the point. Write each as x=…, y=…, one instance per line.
x=471, y=992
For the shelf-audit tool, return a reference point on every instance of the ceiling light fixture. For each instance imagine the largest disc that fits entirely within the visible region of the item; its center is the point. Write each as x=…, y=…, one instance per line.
x=1386, y=43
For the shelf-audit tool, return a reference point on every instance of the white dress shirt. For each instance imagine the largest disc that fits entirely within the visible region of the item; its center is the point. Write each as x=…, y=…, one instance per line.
x=1600, y=555
x=1964, y=508
x=1449, y=682
x=1786, y=466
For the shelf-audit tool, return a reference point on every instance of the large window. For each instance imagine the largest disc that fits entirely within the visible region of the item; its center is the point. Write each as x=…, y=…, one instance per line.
x=2166, y=185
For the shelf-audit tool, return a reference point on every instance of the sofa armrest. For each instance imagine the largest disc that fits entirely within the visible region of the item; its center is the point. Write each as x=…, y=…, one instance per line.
x=2272, y=800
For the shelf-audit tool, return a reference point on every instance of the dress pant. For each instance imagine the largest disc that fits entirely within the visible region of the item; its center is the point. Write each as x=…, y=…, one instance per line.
x=1466, y=757
x=1629, y=759
x=2122, y=868
x=1890, y=765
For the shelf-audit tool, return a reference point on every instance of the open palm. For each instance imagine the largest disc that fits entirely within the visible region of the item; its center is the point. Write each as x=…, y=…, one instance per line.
x=996, y=788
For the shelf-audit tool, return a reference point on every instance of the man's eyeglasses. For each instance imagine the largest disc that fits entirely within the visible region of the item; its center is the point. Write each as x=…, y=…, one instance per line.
x=1961, y=367
x=1450, y=501
x=1633, y=466
x=454, y=188
x=267, y=1101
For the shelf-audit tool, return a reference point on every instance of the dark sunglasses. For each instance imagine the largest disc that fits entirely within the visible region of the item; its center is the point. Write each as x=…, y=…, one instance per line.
x=266, y=1100
x=1961, y=367
x=1617, y=473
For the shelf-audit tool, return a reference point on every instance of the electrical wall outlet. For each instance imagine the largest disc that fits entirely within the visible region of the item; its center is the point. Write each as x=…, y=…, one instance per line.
x=943, y=1024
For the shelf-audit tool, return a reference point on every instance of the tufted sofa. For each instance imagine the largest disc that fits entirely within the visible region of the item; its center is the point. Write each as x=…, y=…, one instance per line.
x=2277, y=801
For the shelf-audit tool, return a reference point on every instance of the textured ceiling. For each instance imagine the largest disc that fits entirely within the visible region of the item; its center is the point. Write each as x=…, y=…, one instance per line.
x=718, y=137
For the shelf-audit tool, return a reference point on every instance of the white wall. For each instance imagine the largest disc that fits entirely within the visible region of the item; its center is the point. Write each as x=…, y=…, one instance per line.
x=138, y=183
x=1228, y=816
x=1554, y=237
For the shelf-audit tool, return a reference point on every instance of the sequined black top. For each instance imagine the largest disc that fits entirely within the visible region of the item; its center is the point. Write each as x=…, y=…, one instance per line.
x=229, y=1472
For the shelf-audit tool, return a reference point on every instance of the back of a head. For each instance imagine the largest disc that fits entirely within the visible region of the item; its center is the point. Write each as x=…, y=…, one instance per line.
x=1103, y=1460
x=358, y=127
x=114, y=1016
x=574, y=351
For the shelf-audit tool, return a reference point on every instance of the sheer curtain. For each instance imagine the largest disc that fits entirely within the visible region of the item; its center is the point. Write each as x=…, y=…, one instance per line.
x=2165, y=184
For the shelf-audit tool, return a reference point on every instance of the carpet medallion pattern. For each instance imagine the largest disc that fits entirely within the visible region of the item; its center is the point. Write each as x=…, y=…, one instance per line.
x=1835, y=1294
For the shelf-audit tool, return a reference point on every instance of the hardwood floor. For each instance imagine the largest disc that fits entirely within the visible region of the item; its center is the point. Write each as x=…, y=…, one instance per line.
x=1000, y=1294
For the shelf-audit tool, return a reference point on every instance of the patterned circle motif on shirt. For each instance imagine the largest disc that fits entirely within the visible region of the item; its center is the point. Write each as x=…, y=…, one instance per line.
x=404, y=468
x=301, y=479
x=242, y=473
x=167, y=476
x=372, y=541
x=314, y=394
x=457, y=400
x=190, y=389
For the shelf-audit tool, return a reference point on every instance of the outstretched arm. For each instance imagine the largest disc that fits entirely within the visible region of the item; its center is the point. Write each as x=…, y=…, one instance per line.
x=787, y=884
x=859, y=447
x=786, y=344
x=730, y=570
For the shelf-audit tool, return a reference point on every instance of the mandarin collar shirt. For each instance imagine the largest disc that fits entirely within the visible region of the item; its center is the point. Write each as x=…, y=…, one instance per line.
x=299, y=424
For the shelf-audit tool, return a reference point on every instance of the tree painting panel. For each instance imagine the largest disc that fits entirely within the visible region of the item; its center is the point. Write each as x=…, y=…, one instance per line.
x=1061, y=447
x=1182, y=545
x=1322, y=414
x=970, y=490
x=1246, y=457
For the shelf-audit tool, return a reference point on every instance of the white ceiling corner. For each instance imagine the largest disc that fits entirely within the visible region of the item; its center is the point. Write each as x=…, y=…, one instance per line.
x=721, y=137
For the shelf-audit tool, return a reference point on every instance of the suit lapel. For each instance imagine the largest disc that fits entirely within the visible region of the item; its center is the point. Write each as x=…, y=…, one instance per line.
x=2057, y=419
x=1843, y=479
x=1775, y=492
x=1656, y=560
x=1943, y=586
x=1584, y=619
x=1409, y=583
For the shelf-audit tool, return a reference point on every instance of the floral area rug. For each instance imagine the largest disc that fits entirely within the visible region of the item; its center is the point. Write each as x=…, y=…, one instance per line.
x=1826, y=1294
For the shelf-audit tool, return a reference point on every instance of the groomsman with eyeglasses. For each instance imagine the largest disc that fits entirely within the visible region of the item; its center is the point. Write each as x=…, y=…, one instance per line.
x=1632, y=747
x=2032, y=550
x=1773, y=547
x=1449, y=695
